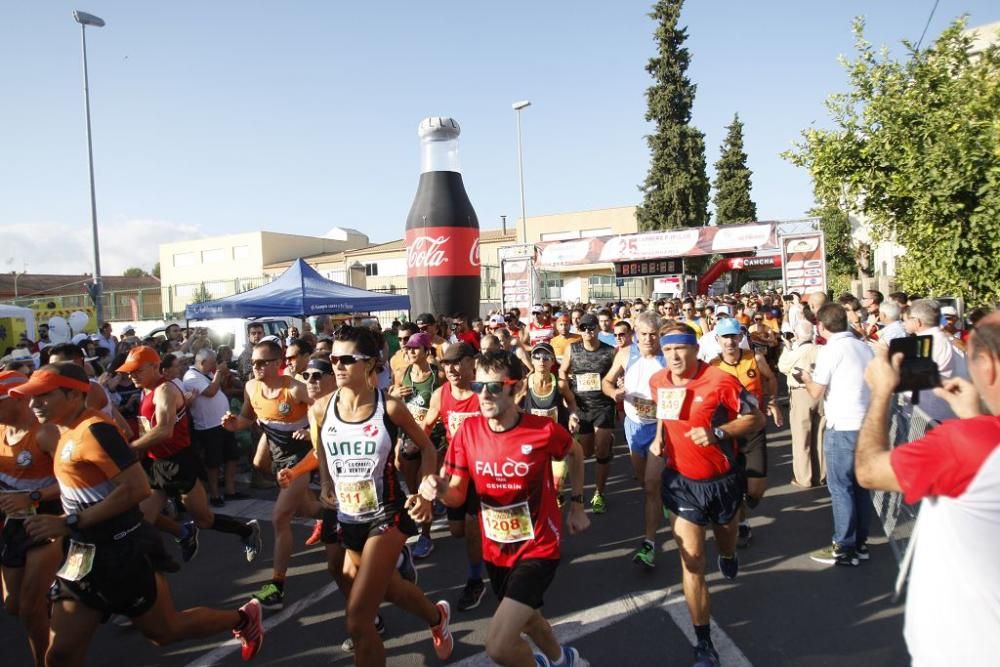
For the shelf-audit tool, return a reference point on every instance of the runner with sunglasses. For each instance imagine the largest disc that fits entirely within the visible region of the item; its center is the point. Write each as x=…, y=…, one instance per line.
x=451, y=405
x=27, y=487
x=507, y=456
x=545, y=395
x=584, y=367
x=634, y=366
x=414, y=386
x=359, y=426
x=278, y=403
x=114, y=561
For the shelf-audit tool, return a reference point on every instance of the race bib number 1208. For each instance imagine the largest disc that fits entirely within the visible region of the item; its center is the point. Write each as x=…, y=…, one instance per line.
x=508, y=524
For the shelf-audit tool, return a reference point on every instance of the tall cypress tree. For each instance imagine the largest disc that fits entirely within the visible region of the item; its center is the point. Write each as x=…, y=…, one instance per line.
x=732, y=180
x=675, y=192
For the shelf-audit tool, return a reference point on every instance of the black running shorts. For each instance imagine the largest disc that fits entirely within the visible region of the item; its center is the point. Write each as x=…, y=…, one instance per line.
x=176, y=474
x=702, y=502
x=354, y=535
x=753, y=454
x=596, y=415
x=331, y=529
x=526, y=582
x=469, y=508
x=14, y=541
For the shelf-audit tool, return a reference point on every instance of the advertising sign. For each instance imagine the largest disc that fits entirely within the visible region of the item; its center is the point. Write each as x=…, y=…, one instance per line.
x=803, y=263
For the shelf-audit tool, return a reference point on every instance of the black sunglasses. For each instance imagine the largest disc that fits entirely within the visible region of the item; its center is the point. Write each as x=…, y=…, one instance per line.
x=493, y=388
x=347, y=359
x=542, y=356
x=588, y=328
x=314, y=377
x=260, y=363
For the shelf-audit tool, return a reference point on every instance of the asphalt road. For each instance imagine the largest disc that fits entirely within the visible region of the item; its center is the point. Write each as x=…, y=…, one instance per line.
x=783, y=609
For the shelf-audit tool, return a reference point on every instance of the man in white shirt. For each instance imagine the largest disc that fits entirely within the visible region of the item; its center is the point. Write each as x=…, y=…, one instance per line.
x=923, y=319
x=890, y=315
x=216, y=445
x=839, y=377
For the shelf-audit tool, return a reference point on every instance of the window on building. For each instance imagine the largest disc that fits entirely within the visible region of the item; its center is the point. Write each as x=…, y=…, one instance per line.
x=602, y=287
x=241, y=252
x=552, y=285
x=219, y=288
x=601, y=231
x=213, y=256
x=183, y=259
x=184, y=291
x=371, y=269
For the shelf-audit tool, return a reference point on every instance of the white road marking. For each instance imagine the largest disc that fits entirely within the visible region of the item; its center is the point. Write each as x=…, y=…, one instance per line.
x=571, y=627
x=213, y=657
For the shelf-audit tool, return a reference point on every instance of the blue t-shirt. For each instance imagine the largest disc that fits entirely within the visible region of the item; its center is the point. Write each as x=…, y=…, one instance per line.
x=607, y=337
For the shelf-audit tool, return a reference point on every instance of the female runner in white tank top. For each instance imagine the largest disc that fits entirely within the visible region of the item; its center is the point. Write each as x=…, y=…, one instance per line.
x=359, y=479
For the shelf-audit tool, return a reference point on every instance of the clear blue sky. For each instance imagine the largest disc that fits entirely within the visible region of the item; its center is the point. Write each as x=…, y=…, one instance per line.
x=220, y=117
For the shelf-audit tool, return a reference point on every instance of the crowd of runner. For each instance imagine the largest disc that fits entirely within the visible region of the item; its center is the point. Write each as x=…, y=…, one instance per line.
x=373, y=433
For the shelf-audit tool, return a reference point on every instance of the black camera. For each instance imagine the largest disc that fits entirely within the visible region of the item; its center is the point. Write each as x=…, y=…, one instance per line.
x=918, y=370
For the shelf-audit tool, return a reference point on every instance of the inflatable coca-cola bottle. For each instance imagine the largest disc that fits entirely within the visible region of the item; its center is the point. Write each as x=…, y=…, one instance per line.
x=442, y=231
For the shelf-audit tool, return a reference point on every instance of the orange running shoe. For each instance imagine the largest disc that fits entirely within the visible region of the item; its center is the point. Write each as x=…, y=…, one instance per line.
x=444, y=643
x=317, y=534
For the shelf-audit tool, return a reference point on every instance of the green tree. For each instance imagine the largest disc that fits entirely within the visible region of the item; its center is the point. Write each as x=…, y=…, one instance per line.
x=201, y=294
x=133, y=272
x=156, y=270
x=675, y=192
x=915, y=149
x=733, y=204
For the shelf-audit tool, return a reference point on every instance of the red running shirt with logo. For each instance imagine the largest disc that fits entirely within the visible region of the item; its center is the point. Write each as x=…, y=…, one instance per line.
x=512, y=473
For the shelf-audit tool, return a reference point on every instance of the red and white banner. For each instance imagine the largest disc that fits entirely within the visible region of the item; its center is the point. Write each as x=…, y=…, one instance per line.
x=689, y=242
x=442, y=251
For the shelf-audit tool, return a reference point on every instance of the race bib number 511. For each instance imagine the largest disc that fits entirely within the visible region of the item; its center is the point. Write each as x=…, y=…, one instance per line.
x=357, y=497
x=508, y=524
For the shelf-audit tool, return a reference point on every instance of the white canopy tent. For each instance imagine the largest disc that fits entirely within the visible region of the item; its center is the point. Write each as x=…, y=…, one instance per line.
x=26, y=314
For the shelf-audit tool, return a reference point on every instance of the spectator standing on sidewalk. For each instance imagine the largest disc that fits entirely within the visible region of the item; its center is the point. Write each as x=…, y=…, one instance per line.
x=953, y=602
x=923, y=319
x=891, y=317
x=839, y=378
x=805, y=415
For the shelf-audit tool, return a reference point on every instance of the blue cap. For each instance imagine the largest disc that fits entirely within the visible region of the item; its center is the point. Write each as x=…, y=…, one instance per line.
x=728, y=326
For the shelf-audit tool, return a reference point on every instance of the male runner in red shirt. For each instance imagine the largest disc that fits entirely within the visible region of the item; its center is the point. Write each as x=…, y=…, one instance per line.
x=508, y=456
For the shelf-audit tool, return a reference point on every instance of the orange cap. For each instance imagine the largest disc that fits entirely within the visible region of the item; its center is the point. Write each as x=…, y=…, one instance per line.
x=9, y=380
x=42, y=382
x=139, y=356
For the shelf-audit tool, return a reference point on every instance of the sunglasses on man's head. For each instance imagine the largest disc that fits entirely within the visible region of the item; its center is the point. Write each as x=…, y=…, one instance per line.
x=347, y=359
x=493, y=388
x=315, y=376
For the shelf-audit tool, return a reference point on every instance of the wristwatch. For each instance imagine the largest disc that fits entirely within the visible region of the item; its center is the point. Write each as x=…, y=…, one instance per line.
x=719, y=434
x=35, y=496
x=576, y=499
x=72, y=520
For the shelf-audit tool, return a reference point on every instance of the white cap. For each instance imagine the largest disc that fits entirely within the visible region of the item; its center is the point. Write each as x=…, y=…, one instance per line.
x=949, y=310
x=723, y=308
x=80, y=337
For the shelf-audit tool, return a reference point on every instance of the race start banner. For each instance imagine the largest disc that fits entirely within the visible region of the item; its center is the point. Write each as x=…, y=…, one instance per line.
x=803, y=263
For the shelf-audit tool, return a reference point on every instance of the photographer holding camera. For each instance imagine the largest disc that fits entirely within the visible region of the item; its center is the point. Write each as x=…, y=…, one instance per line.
x=953, y=604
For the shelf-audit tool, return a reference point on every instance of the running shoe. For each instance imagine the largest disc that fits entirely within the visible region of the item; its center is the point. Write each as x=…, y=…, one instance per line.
x=423, y=547
x=253, y=543
x=189, y=543
x=705, y=654
x=645, y=556
x=408, y=569
x=217, y=501
x=573, y=658
x=729, y=567
x=743, y=535
x=317, y=534
x=834, y=555
x=250, y=631
x=862, y=552
x=348, y=644
x=472, y=594
x=597, y=504
x=444, y=643
x=270, y=596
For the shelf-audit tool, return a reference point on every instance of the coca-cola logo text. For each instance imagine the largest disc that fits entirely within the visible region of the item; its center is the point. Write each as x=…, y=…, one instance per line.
x=474, y=254
x=427, y=252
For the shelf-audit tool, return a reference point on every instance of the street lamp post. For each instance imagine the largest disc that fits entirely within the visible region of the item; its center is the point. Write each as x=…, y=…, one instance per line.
x=85, y=19
x=518, y=106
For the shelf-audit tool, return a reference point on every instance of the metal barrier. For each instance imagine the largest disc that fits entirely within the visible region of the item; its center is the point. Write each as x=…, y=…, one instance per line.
x=907, y=422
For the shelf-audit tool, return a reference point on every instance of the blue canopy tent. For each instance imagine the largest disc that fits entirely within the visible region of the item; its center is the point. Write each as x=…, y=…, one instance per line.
x=298, y=292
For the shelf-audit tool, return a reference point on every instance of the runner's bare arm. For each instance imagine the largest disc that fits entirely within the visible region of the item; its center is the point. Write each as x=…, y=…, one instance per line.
x=327, y=490
x=402, y=417
x=567, y=361
x=567, y=395
x=609, y=385
x=434, y=409
x=247, y=416
x=299, y=392
x=123, y=425
x=656, y=447
x=165, y=398
x=743, y=425
x=770, y=384
x=577, y=520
